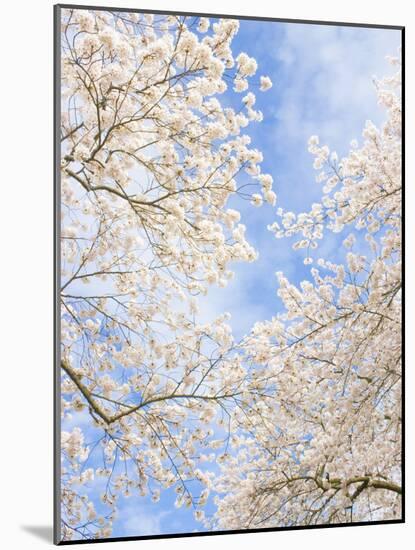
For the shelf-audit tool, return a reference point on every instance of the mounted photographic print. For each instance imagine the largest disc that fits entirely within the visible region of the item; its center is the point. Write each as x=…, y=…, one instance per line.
x=228, y=207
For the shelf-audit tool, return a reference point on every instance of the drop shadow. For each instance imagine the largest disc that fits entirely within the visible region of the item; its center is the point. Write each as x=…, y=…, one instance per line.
x=43, y=532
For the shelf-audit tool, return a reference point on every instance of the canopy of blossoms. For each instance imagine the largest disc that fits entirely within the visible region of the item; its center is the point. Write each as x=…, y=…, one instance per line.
x=149, y=161
x=327, y=447
x=299, y=422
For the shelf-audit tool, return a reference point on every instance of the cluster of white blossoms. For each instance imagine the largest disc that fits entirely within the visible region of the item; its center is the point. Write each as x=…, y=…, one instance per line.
x=326, y=446
x=266, y=83
x=150, y=158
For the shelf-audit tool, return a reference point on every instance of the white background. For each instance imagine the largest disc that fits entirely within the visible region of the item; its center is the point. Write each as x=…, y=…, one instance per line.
x=26, y=317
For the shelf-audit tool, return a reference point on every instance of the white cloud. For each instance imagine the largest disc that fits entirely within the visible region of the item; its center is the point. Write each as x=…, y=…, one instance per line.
x=326, y=80
x=136, y=521
x=237, y=299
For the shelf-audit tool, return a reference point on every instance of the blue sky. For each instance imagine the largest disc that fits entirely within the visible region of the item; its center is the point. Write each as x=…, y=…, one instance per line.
x=322, y=84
